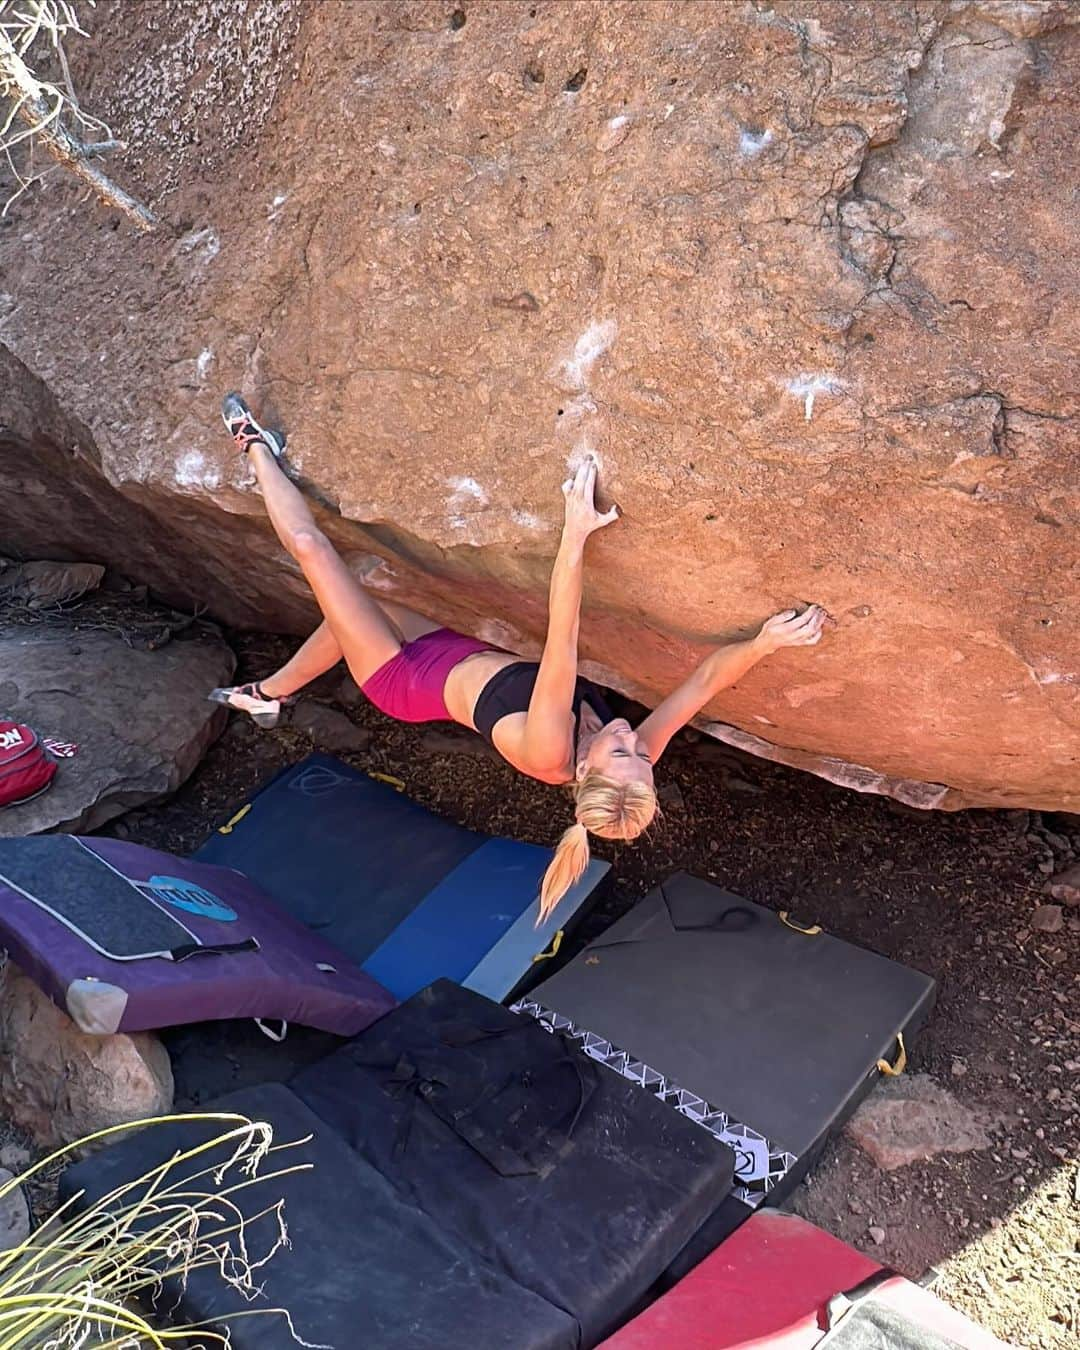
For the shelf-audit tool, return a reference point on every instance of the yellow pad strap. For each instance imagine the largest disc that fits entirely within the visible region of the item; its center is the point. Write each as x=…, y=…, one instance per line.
x=556, y=943
x=231, y=825
x=395, y=783
x=812, y=931
x=895, y=1070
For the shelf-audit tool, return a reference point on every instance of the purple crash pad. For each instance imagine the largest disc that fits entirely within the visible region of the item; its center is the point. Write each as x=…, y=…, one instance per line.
x=288, y=973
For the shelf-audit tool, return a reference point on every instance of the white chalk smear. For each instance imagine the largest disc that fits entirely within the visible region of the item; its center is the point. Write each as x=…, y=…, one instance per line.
x=203, y=241
x=588, y=349
x=752, y=143
x=202, y=365
x=580, y=453
x=581, y=405
x=614, y=133
x=808, y=387
x=526, y=519
x=192, y=471
x=465, y=489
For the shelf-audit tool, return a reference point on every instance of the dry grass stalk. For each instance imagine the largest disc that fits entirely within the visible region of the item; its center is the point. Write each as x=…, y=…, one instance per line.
x=80, y=1279
x=49, y=113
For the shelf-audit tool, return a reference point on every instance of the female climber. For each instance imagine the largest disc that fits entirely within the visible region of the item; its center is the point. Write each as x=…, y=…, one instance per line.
x=541, y=716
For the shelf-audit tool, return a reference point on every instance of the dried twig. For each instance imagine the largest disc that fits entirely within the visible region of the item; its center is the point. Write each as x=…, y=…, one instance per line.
x=42, y=107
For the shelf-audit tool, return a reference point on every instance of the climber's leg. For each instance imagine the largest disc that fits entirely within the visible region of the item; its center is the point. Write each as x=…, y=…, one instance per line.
x=264, y=700
x=320, y=653
x=408, y=623
x=365, y=635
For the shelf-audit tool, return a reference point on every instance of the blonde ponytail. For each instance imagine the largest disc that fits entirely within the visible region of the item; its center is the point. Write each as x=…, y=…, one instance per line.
x=566, y=869
x=610, y=809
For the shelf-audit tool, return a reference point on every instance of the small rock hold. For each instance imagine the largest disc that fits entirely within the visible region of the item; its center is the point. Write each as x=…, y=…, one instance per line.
x=524, y=302
x=1048, y=919
x=876, y=1234
x=959, y=1068
x=614, y=133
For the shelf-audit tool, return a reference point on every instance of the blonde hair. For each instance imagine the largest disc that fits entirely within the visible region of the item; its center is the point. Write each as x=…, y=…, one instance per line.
x=607, y=808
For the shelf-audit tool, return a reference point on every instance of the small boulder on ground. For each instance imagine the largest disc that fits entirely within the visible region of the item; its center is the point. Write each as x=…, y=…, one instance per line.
x=1065, y=886
x=329, y=729
x=58, y=1084
x=452, y=740
x=39, y=585
x=14, y=1213
x=140, y=719
x=910, y=1119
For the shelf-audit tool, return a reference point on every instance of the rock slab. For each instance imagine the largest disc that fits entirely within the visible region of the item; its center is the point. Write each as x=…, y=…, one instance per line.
x=60, y=1085
x=14, y=1213
x=909, y=1119
x=140, y=719
x=803, y=275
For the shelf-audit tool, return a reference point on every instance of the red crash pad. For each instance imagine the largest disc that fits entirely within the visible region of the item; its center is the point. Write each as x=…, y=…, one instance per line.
x=769, y=1284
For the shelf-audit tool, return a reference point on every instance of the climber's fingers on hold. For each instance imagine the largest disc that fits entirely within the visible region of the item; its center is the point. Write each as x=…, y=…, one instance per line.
x=794, y=629
x=807, y=628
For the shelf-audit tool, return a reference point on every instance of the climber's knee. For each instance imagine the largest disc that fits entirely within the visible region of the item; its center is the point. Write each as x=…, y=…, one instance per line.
x=309, y=545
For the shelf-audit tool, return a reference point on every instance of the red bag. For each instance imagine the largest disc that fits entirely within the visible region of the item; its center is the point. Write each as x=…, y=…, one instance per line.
x=25, y=768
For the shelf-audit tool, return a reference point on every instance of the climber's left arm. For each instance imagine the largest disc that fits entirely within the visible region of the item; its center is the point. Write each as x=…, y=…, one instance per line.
x=725, y=667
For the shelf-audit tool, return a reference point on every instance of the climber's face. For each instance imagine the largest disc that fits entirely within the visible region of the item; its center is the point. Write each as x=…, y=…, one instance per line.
x=616, y=751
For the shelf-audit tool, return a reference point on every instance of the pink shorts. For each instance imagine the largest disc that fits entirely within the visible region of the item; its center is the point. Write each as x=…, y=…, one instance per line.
x=410, y=685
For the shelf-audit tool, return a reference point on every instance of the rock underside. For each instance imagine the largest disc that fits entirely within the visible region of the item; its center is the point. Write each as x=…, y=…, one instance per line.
x=803, y=276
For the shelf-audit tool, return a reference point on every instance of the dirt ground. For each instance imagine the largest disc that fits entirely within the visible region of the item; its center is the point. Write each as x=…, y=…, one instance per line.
x=952, y=895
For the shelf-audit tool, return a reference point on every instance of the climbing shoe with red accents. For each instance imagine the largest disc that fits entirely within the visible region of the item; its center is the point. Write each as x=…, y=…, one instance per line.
x=249, y=698
x=242, y=426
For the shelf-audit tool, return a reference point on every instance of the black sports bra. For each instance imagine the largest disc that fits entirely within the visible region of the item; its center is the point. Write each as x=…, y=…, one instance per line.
x=510, y=691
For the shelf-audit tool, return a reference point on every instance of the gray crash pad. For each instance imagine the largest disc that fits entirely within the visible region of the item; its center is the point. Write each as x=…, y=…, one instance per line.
x=765, y=1034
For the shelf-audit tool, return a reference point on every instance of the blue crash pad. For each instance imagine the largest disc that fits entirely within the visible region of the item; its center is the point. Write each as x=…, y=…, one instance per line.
x=409, y=896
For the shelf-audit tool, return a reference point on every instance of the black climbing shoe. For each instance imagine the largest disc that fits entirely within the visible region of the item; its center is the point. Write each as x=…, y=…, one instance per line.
x=249, y=698
x=241, y=425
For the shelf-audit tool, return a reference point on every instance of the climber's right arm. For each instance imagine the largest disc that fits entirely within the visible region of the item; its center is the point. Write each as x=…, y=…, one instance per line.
x=548, y=738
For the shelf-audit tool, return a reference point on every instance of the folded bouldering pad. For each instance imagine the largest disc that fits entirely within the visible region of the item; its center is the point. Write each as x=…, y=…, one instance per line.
x=562, y=1176
x=764, y=1033
x=125, y=938
x=364, y=1268
x=781, y=1282
x=409, y=896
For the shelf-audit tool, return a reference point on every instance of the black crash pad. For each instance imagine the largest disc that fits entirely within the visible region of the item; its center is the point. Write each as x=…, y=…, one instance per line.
x=566, y=1178
x=365, y=1270
x=766, y=1035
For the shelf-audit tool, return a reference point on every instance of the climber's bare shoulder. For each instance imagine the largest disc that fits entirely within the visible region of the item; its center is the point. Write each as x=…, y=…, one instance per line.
x=464, y=685
x=508, y=737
